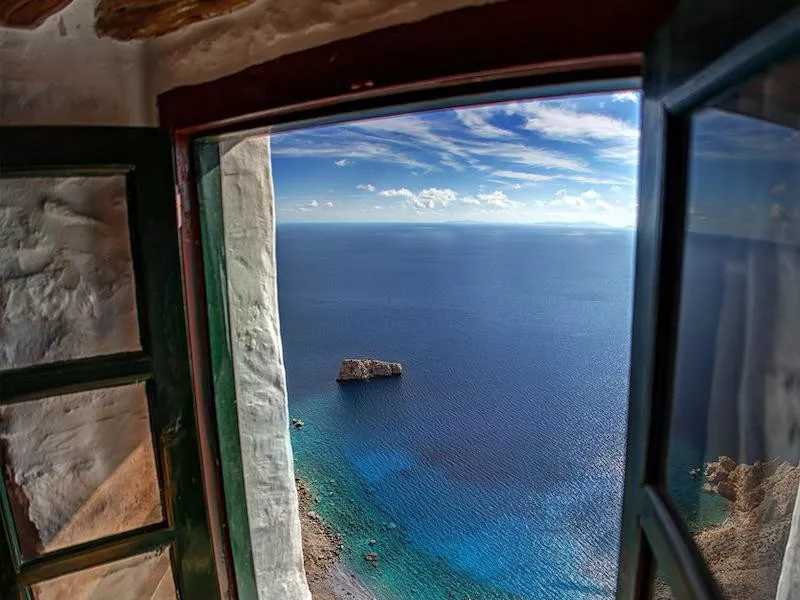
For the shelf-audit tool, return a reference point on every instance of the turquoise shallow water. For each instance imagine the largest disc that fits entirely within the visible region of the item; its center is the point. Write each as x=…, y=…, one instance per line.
x=493, y=467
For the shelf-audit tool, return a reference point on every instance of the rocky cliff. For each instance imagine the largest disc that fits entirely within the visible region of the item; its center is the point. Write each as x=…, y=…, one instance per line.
x=745, y=553
x=360, y=369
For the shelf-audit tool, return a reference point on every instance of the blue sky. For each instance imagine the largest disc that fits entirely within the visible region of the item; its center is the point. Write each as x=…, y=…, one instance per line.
x=566, y=160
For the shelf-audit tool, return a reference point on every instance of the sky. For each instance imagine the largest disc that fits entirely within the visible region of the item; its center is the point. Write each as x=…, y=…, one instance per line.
x=569, y=160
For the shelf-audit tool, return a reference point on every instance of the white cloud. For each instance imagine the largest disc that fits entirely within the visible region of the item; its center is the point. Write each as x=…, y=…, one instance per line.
x=366, y=187
x=477, y=121
x=598, y=180
x=628, y=96
x=470, y=200
x=615, y=189
x=433, y=197
x=498, y=199
x=307, y=207
x=329, y=204
x=338, y=142
x=603, y=205
x=590, y=195
x=428, y=198
x=343, y=162
x=567, y=124
x=524, y=176
x=528, y=156
x=405, y=192
x=587, y=199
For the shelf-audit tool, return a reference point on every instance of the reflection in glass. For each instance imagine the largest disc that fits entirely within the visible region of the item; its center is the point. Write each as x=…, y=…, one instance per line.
x=143, y=577
x=735, y=438
x=79, y=467
x=66, y=276
x=661, y=589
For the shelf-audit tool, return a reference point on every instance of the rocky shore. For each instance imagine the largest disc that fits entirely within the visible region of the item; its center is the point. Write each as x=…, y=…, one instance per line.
x=361, y=369
x=745, y=552
x=328, y=579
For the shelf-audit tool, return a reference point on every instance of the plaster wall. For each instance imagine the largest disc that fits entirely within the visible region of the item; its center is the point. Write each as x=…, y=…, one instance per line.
x=249, y=227
x=62, y=74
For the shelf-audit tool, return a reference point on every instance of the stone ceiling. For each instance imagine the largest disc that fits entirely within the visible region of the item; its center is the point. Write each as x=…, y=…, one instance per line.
x=123, y=19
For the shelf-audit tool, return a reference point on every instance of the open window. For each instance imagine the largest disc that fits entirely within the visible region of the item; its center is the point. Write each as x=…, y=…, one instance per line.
x=101, y=489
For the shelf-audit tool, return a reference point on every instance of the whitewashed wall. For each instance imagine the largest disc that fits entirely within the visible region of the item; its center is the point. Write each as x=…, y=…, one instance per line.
x=249, y=216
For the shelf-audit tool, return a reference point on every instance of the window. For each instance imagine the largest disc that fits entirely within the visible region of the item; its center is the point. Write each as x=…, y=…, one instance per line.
x=101, y=488
x=489, y=250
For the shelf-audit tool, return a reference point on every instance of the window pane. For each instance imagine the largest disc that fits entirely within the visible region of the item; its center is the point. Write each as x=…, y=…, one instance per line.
x=735, y=439
x=79, y=467
x=661, y=589
x=143, y=577
x=66, y=275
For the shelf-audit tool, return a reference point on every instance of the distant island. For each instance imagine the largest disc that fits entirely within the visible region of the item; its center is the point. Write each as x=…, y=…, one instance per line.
x=361, y=369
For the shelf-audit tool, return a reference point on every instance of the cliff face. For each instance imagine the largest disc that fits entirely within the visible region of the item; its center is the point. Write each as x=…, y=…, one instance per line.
x=745, y=553
x=360, y=369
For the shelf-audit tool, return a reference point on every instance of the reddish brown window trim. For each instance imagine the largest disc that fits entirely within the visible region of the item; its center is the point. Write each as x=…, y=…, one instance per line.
x=471, y=50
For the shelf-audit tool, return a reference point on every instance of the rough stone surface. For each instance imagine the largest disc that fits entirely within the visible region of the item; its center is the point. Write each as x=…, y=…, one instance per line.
x=360, y=369
x=28, y=13
x=141, y=19
x=66, y=277
x=79, y=467
x=746, y=552
x=249, y=216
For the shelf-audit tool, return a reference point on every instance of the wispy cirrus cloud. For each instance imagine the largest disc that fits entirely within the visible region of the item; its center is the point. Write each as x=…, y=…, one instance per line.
x=522, y=175
x=477, y=121
x=568, y=124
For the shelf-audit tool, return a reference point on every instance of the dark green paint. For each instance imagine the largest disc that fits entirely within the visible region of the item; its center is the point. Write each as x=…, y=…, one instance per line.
x=144, y=156
x=212, y=228
x=95, y=553
x=53, y=379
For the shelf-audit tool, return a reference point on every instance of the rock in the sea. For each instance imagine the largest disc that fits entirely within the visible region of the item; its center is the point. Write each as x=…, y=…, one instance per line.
x=361, y=369
x=371, y=557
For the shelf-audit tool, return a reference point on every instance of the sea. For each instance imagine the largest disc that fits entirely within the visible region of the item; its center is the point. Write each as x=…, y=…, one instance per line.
x=493, y=468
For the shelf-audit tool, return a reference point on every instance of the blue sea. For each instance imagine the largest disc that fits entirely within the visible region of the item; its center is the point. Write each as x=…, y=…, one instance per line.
x=493, y=468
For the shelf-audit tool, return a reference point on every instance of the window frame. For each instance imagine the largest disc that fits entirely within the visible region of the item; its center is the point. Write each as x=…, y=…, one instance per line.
x=654, y=534
x=651, y=528
x=143, y=156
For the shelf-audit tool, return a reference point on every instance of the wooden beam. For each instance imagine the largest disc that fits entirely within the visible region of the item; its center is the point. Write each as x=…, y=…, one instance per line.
x=28, y=14
x=142, y=19
x=466, y=44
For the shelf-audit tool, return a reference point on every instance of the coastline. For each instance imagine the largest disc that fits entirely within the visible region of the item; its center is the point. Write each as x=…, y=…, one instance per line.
x=745, y=552
x=327, y=576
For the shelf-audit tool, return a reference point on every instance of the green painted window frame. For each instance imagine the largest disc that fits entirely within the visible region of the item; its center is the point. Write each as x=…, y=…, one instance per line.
x=144, y=156
x=206, y=155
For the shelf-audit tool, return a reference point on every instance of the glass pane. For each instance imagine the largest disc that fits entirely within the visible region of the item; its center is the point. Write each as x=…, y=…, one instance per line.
x=735, y=445
x=66, y=276
x=79, y=467
x=661, y=589
x=143, y=577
